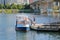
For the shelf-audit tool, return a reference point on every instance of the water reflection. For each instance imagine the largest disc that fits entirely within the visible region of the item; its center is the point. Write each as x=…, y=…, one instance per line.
x=24, y=35
x=33, y=35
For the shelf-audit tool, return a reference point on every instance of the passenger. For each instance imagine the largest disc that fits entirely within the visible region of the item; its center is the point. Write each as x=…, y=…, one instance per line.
x=33, y=20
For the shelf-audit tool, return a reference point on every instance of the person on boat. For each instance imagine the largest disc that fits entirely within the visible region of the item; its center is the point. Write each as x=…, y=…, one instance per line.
x=20, y=21
x=27, y=21
x=33, y=18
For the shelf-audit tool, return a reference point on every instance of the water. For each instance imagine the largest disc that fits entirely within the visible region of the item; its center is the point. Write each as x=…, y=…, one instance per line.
x=7, y=31
x=33, y=35
x=7, y=23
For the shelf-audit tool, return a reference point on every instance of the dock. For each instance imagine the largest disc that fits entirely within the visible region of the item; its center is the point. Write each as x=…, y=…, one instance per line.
x=45, y=27
x=46, y=24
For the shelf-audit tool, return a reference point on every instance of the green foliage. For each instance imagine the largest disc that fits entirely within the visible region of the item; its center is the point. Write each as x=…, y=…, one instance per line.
x=1, y=6
x=8, y=11
x=7, y=6
x=13, y=6
x=0, y=11
x=27, y=6
x=20, y=6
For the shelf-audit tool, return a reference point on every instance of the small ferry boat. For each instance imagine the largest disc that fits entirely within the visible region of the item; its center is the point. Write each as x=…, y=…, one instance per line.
x=22, y=23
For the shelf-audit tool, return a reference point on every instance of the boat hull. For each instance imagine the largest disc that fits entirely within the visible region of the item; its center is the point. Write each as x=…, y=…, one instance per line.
x=22, y=28
x=45, y=30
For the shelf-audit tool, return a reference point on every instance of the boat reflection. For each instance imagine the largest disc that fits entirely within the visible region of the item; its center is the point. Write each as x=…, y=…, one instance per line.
x=20, y=35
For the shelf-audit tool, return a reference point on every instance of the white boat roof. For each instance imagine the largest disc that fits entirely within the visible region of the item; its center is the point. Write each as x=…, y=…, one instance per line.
x=21, y=16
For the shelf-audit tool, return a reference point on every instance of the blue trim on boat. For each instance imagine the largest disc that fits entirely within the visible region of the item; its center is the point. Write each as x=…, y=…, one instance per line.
x=22, y=28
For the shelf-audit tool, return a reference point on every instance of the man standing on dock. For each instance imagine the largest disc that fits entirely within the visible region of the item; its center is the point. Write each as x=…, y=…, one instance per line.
x=34, y=20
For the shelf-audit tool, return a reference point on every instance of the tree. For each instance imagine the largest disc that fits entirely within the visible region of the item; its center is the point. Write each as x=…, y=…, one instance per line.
x=27, y=6
x=20, y=6
x=13, y=6
x=1, y=6
x=7, y=6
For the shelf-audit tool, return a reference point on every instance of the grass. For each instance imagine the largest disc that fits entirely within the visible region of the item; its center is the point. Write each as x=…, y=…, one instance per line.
x=0, y=11
x=9, y=11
